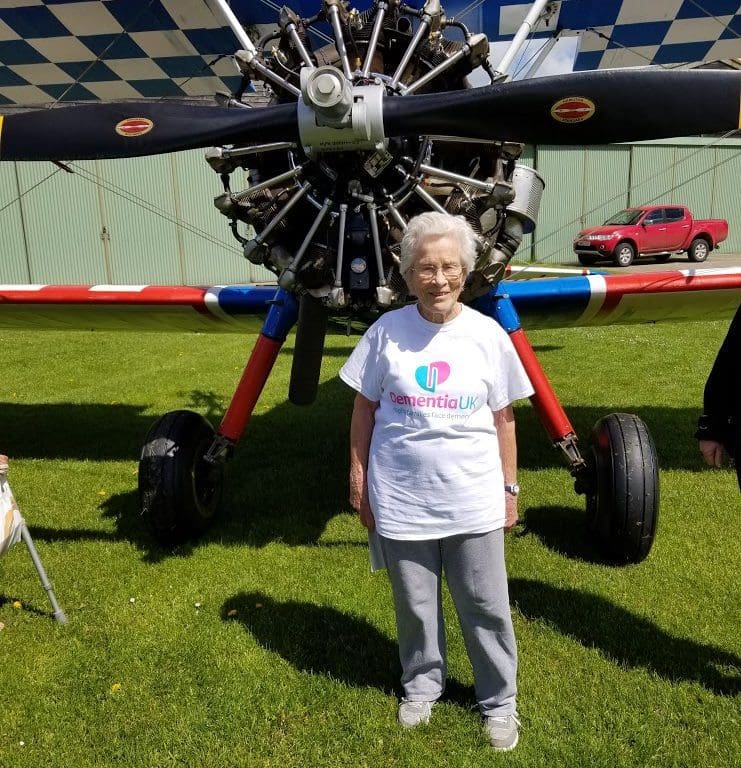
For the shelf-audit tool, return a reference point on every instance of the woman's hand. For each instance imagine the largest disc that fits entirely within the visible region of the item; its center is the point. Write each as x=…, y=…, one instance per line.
x=510, y=514
x=359, y=499
x=363, y=509
x=366, y=516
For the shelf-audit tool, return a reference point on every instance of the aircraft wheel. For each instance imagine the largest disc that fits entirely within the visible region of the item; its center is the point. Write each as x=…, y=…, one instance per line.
x=624, y=255
x=623, y=504
x=699, y=249
x=178, y=490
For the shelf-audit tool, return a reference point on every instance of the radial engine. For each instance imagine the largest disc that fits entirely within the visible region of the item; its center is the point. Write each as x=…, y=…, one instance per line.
x=326, y=213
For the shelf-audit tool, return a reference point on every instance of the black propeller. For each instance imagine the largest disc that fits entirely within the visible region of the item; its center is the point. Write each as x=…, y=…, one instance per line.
x=596, y=107
x=584, y=108
x=129, y=129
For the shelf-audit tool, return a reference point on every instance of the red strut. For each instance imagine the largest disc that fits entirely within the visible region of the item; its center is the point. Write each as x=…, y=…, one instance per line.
x=250, y=386
x=552, y=415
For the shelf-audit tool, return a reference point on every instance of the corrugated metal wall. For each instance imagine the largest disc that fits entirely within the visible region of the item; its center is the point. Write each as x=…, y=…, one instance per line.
x=14, y=263
x=151, y=220
x=144, y=220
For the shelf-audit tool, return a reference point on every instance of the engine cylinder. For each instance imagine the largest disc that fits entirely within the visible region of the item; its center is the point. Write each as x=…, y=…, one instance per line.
x=528, y=185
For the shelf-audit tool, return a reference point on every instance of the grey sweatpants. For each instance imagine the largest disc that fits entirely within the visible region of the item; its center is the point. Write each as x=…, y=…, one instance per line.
x=475, y=571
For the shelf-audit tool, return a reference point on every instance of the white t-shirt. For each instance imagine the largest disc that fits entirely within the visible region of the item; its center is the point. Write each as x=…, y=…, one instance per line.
x=434, y=468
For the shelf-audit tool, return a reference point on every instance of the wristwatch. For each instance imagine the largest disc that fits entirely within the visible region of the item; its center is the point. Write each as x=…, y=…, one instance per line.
x=513, y=489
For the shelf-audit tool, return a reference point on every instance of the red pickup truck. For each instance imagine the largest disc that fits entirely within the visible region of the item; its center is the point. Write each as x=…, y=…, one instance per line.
x=650, y=230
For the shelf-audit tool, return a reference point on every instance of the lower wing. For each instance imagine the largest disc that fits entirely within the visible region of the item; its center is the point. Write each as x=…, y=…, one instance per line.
x=543, y=302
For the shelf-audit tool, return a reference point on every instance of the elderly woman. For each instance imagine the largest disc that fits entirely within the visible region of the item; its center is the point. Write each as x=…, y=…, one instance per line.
x=433, y=469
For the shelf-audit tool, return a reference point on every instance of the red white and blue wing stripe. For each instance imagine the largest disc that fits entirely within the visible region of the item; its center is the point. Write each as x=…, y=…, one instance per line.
x=211, y=309
x=647, y=297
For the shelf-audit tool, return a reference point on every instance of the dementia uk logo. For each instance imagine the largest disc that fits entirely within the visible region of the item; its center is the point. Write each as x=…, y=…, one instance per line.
x=430, y=378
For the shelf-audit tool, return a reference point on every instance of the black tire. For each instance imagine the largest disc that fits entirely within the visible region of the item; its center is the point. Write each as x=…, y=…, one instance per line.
x=178, y=490
x=586, y=261
x=624, y=254
x=623, y=504
x=699, y=249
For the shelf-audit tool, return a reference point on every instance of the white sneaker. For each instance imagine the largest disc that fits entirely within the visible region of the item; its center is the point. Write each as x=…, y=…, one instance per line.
x=503, y=732
x=412, y=713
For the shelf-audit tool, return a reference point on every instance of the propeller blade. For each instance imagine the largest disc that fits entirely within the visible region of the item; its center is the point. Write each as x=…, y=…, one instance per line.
x=585, y=108
x=129, y=129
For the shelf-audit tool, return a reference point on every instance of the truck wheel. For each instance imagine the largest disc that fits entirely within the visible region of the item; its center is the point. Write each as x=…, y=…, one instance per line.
x=623, y=255
x=699, y=249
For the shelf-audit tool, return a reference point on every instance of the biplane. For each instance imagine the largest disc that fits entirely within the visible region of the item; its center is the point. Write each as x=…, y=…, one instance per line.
x=369, y=118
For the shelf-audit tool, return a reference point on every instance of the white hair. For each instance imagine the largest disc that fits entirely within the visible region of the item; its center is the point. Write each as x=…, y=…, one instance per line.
x=433, y=224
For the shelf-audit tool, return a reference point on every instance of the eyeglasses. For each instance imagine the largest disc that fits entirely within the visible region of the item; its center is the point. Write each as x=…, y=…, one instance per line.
x=450, y=271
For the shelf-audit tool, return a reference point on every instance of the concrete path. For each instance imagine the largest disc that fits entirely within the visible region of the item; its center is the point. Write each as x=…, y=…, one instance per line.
x=716, y=260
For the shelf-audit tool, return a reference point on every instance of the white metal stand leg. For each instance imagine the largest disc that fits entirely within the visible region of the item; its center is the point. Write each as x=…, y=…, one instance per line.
x=10, y=517
x=59, y=614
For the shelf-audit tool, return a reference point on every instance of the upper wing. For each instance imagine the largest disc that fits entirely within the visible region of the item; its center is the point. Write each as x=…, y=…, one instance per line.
x=664, y=32
x=649, y=297
x=120, y=49
x=53, y=51
x=619, y=33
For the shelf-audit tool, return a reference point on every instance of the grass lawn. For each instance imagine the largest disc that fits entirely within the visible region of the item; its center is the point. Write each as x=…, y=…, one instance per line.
x=269, y=643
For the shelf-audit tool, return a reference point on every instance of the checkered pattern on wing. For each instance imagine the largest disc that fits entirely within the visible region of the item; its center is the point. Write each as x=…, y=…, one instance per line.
x=163, y=48
x=623, y=33
x=50, y=49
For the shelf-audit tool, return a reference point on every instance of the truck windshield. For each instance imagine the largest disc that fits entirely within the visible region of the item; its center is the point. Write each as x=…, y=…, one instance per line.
x=625, y=217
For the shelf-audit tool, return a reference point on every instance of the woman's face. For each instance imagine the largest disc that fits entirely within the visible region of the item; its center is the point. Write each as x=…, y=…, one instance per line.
x=436, y=278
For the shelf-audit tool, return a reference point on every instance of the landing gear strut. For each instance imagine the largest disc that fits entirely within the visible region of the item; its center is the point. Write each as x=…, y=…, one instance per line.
x=181, y=465
x=620, y=474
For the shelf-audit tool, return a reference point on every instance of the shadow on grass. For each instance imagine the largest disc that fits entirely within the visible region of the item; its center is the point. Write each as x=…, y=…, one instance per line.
x=6, y=600
x=100, y=431
x=322, y=640
x=626, y=639
x=96, y=431
x=672, y=429
x=318, y=639
x=564, y=530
